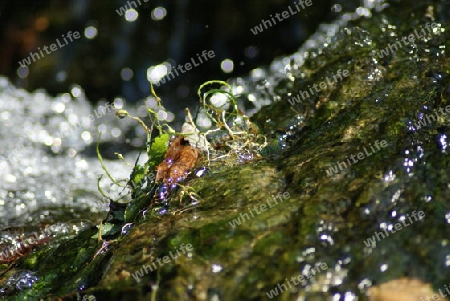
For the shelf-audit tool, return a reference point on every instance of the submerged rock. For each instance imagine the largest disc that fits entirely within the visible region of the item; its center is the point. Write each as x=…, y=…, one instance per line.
x=356, y=195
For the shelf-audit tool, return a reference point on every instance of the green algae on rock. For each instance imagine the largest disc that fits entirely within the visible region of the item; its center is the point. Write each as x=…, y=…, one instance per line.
x=328, y=217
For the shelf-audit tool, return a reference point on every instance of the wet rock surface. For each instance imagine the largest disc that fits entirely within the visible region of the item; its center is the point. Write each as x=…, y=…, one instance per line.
x=365, y=169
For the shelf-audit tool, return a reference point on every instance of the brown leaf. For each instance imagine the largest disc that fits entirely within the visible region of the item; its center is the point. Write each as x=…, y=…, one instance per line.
x=178, y=161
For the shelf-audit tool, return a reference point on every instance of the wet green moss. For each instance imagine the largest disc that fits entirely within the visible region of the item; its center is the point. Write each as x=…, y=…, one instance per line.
x=327, y=217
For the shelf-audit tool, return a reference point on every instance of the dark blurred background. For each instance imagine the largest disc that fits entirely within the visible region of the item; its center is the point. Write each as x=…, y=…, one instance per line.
x=115, y=54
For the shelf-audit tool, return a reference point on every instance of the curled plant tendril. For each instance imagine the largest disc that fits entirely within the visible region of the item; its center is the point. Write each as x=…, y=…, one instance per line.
x=220, y=117
x=242, y=142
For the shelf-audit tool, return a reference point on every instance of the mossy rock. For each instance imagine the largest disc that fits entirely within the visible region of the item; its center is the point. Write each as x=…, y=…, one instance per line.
x=328, y=216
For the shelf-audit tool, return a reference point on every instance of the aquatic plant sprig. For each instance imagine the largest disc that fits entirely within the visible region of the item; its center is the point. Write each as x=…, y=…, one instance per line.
x=219, y=116
x=113, y=180
x=162, y=127
x=245, y=144
x=100, y=158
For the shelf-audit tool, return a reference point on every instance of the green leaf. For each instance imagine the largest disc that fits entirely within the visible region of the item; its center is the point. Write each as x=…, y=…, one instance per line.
x=106, y=229
x=157, y=151
x=137, y=174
